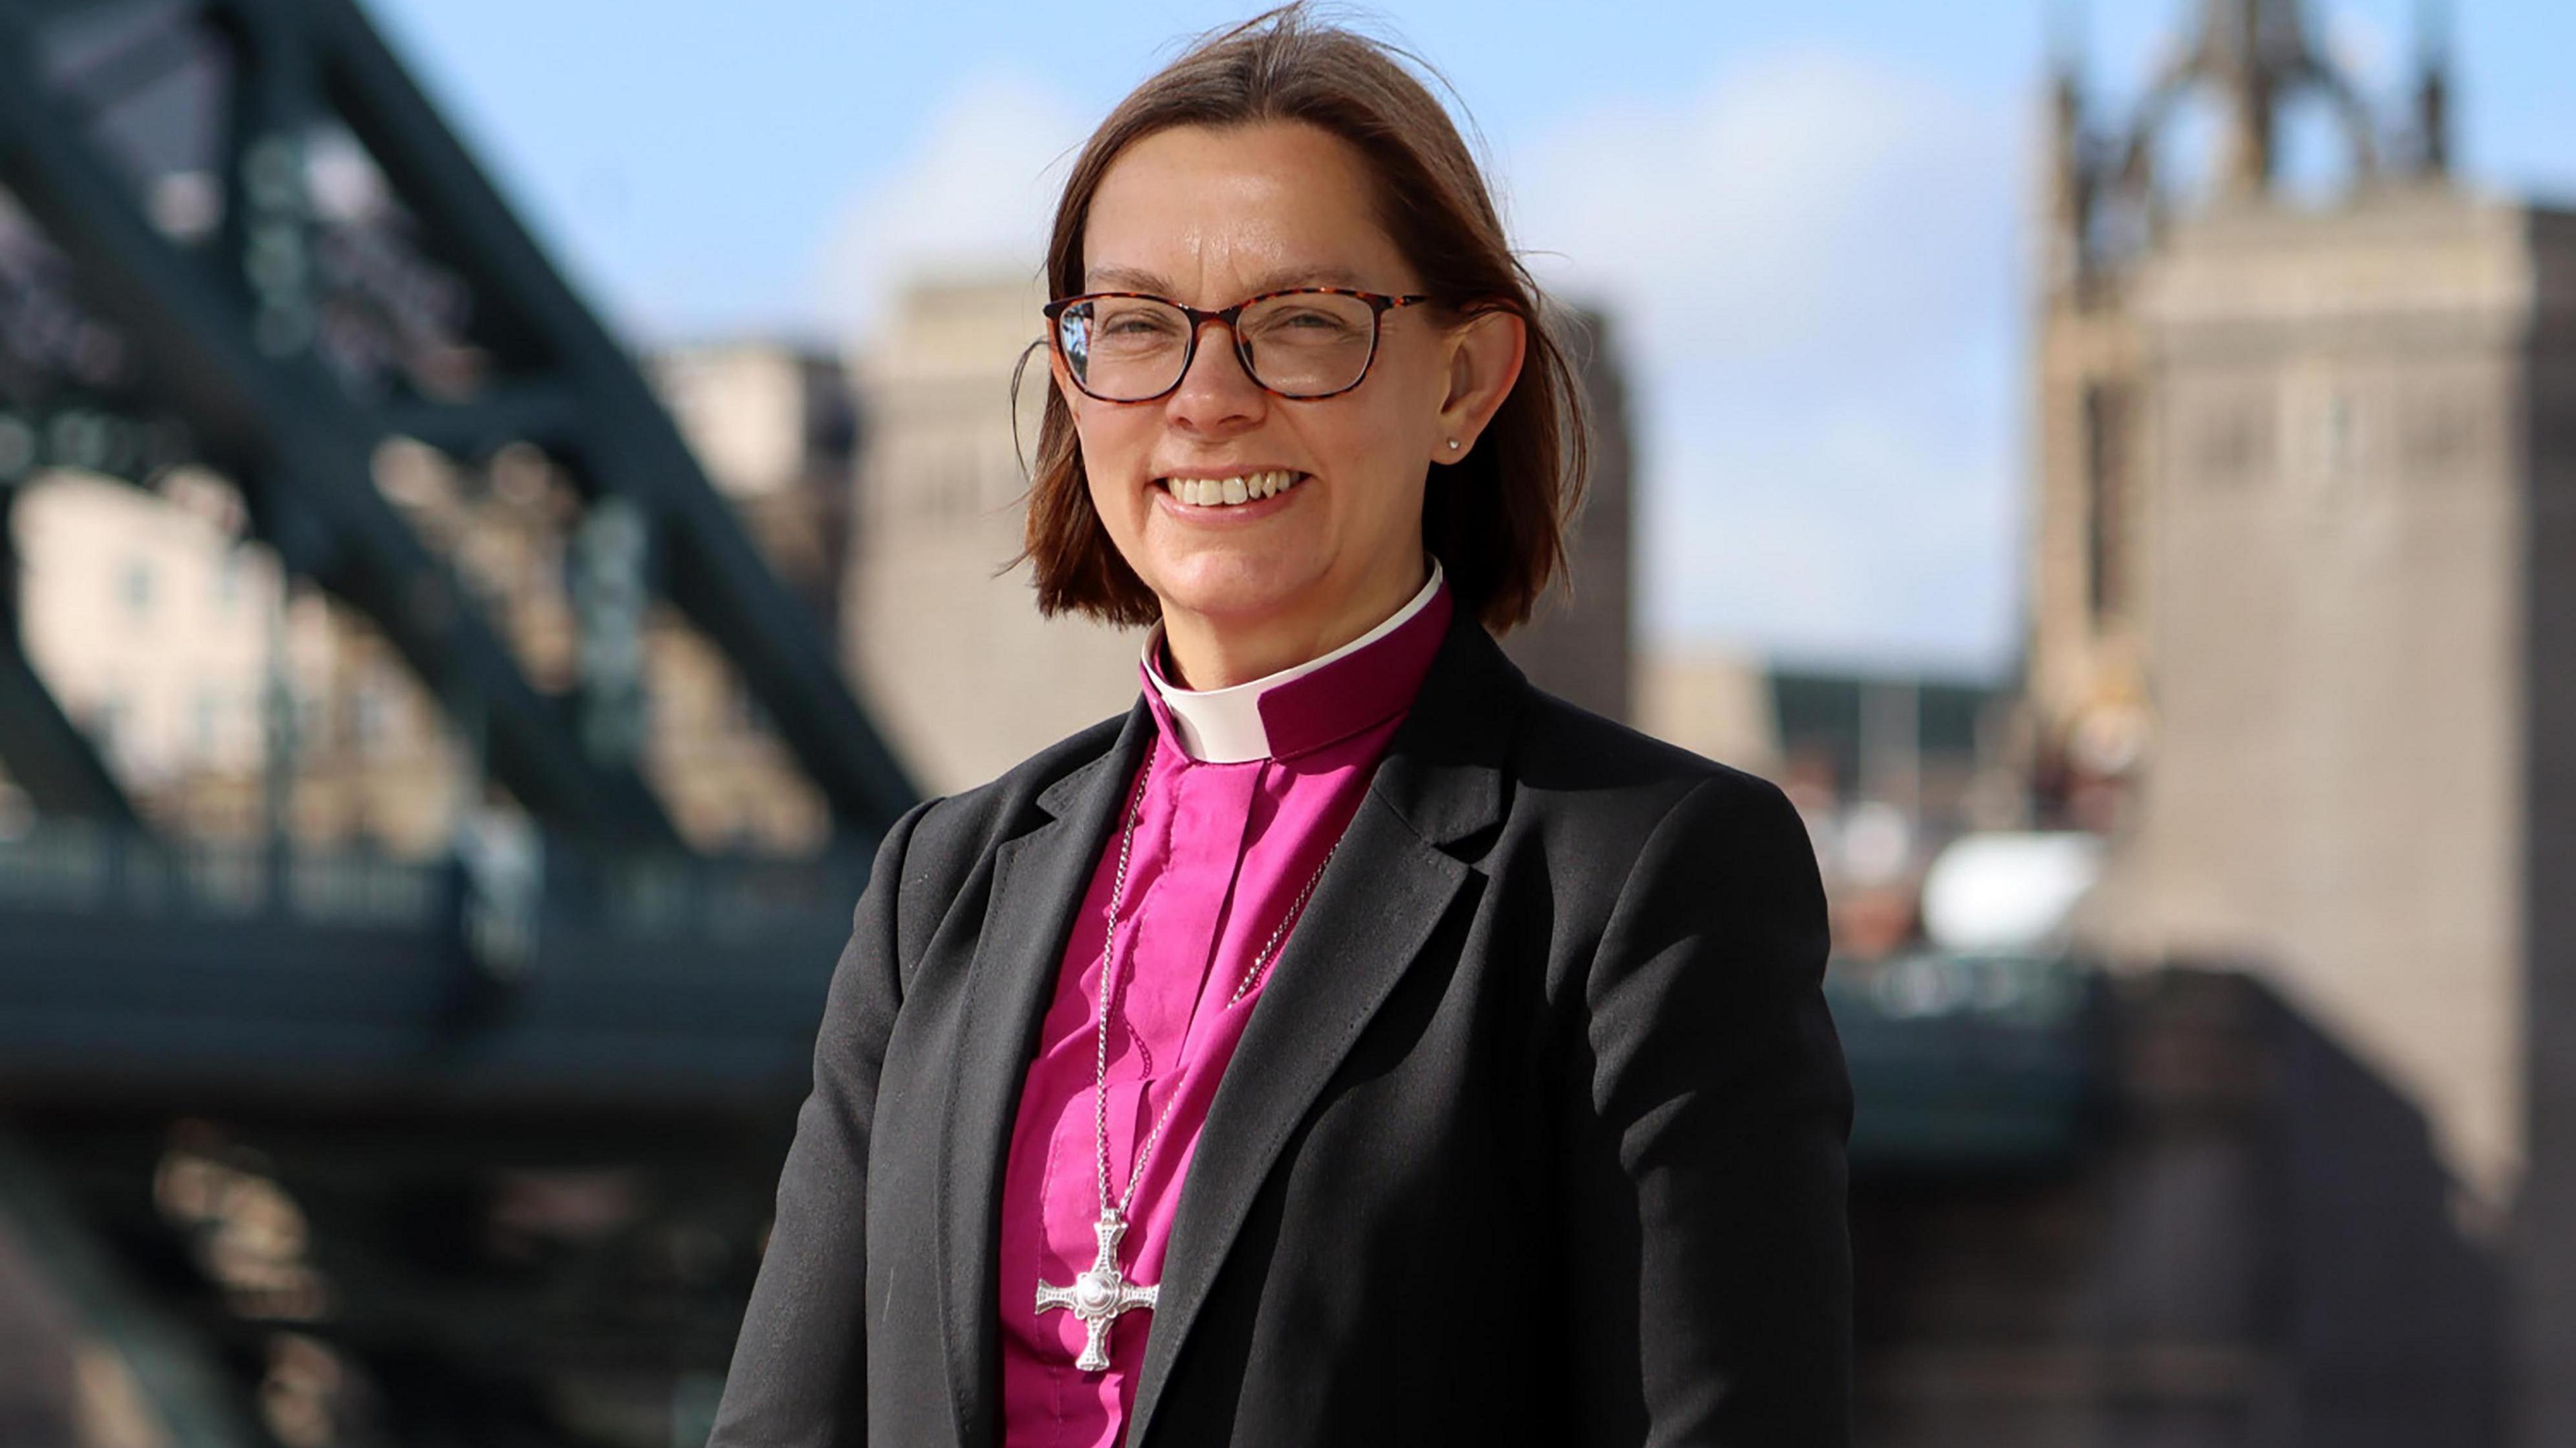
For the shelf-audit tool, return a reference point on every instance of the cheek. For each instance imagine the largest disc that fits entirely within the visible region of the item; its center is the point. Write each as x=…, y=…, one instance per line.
x=1379, y=447
x=1114, y=504
x=1401, y=403
x=1112, y=449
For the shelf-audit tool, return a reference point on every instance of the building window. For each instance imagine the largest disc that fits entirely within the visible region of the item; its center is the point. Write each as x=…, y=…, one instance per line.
x=2230, y=438
x=2343, y=445
x=2440, y=435
x=2107, y=498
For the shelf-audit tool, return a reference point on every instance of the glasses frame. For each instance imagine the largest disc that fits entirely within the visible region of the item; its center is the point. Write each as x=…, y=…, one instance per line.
x=1380, y=303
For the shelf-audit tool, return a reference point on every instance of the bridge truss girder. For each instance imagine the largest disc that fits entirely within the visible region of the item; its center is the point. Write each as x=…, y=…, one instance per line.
x=213, y=326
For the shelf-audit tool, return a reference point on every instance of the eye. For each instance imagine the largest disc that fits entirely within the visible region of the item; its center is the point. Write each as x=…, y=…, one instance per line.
x=1133, y=322
x=1305, y=324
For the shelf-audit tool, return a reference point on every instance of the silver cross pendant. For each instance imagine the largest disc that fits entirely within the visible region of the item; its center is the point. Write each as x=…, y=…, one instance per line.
x=1099, y=1295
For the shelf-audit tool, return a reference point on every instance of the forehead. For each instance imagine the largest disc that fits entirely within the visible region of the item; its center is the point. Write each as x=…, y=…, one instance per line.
x=1210, y=214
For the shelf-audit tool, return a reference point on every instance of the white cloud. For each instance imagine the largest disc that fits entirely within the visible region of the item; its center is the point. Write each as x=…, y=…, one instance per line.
x=1789, y=204
x=1812, y=264
x=974, y=196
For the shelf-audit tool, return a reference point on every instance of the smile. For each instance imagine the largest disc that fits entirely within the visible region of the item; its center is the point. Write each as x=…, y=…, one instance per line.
x=1231, y=492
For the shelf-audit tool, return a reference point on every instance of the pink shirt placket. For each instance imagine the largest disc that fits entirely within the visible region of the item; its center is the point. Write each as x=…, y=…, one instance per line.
x=1219, y=855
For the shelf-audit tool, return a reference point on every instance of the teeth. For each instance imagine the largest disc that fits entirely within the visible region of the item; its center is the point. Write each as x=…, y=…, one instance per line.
x=1226, y=492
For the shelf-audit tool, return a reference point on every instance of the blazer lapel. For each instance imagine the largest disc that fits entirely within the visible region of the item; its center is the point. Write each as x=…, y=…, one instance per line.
x=1039, y=880
x=1386, y=890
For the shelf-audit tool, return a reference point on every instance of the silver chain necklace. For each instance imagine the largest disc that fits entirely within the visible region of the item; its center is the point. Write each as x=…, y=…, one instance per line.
x=1098, y=1297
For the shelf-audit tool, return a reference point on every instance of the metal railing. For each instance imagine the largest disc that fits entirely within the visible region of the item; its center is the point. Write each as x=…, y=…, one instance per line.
x=1964, y=1059
x=83, y=867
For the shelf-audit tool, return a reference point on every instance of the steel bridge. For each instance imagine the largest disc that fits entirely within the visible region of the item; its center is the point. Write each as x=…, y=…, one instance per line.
x=503, y=1143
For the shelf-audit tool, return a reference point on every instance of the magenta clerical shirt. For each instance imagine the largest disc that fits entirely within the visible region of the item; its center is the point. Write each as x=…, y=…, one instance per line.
x=1251, y=785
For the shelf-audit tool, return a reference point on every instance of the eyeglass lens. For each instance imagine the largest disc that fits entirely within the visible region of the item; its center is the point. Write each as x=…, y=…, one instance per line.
x=1299, y=345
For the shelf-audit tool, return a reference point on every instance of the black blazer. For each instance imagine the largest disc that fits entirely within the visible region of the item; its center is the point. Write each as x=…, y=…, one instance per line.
x=1535, y=1136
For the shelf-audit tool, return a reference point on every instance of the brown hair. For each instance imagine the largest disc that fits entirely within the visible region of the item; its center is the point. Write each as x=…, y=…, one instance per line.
x=1496, y=517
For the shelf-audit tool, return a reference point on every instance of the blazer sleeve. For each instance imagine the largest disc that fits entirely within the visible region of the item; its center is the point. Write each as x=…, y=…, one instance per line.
x=799, y=1372
x=1704, y=1130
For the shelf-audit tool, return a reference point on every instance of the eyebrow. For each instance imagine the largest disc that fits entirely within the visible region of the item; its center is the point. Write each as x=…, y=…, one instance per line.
x=1135, y=279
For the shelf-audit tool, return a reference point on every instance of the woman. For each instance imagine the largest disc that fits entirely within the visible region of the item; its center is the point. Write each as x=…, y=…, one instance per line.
x=1351, y=1044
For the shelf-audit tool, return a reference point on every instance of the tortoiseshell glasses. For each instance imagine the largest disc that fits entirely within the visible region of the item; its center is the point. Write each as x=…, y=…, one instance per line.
x=1305, y=342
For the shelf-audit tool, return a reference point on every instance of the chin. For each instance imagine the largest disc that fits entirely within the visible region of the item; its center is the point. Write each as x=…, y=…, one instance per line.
x=1235, y=585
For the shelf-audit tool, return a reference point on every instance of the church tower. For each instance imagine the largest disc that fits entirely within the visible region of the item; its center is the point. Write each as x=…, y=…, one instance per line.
x=2105, y=214
x=2303, y=592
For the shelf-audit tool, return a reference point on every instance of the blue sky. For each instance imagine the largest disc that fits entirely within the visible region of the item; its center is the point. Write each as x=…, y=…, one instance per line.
x=1807, y=221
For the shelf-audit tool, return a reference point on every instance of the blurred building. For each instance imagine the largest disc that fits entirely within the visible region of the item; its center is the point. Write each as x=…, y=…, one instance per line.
x=1929, y=747
x=2301, y=632
x=1886, y=767
x=942, y=633
x=776, y=428
x=1581, y=642
x=1715, y=702
x=1918, y=743
x=173, y=645
x=154, y=629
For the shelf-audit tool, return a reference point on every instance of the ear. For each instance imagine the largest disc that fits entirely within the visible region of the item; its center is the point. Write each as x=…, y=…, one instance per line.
x=1484, y=355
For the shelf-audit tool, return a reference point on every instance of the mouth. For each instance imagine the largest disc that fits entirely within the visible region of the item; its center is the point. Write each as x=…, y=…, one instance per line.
x=1240, y=490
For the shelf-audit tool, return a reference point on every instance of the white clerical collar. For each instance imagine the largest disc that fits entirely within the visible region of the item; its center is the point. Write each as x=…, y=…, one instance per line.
x=1224, y=726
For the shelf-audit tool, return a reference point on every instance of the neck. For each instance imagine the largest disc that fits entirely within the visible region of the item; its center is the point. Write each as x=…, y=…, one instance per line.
x=1212, y=652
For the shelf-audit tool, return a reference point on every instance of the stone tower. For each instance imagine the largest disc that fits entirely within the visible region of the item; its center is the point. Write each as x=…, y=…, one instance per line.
x=2105, y=217
x=941, y=634
x=2304, y=591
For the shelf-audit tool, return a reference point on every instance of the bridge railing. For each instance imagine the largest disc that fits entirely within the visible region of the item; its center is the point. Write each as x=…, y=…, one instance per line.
x=83, y=867
x=513, y=966
x=1967, y=1059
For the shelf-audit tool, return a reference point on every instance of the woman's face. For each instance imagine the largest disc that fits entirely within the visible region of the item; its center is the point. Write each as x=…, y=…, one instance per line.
x=1210, y=217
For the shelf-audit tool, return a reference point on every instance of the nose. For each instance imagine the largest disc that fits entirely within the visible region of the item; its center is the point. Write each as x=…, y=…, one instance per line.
x=1216, y=395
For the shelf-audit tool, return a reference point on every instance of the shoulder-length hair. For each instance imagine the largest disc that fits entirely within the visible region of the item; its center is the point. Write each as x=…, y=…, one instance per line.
x=1497, y=517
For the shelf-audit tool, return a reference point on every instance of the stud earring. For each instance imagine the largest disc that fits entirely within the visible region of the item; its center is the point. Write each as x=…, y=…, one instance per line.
x=1453, y=444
